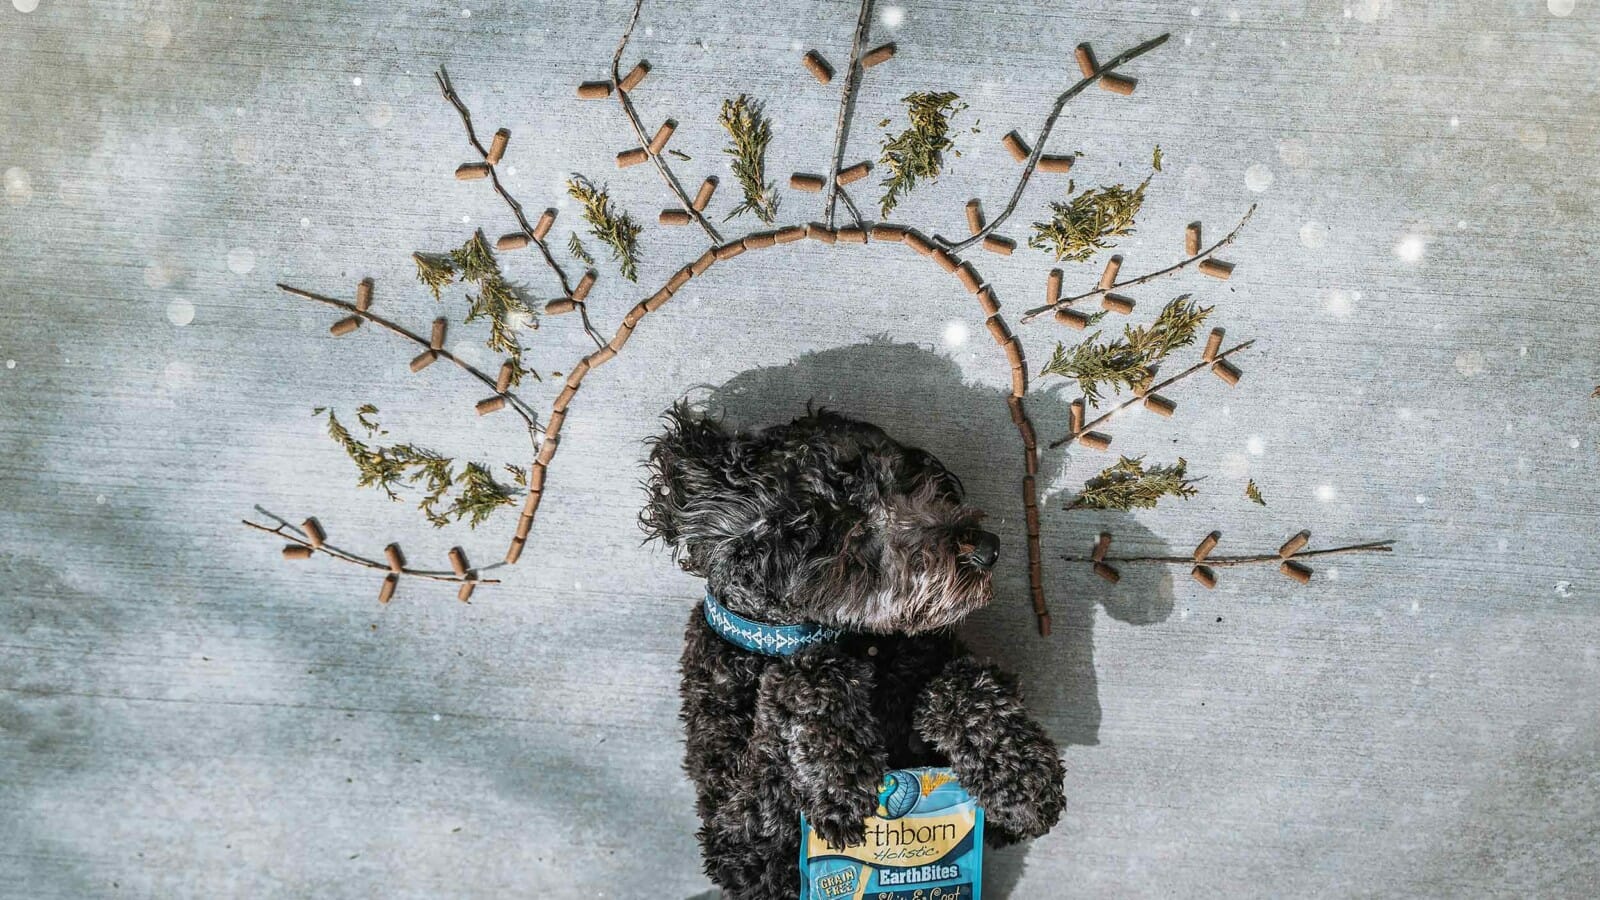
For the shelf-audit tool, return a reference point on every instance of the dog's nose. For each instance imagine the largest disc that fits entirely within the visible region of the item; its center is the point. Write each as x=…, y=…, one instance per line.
x=985, y=549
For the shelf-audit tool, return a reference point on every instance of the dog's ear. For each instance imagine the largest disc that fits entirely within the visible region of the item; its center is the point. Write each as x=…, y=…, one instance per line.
x=688, y=465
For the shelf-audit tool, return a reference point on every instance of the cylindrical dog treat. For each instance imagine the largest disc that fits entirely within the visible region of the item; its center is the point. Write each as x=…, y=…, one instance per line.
x=1118, y=84
x=1101, y=546
x=675, y=217
x=632, y=157
x=436, y=339
x=472, y=171
x=560, y=307
x=729, y=251
x=853, y=235
x=584, y=284
x=877, y=56
x=497, y=146
x=1077, y=416
x=1019, y=382
x=974, y=216
x=1094, y=440
x=464, y=593
x=1109, y=276
x=620, y=338
x=761, y=240
x=634, y=315
x=1086, y=65
x=988, y=301
x=817, y=66
x=502, y=382
x=395, y=558
x=1191, y=239
x=1072, y=319
x=1159, y=405
x=542, y=227
x=552, y=425
x=1297, y=571
x=1031, y=515
x=916, y=241
x=997, y=330
x=1015, y=146
x=364, y=294
x=945, y=260
x=458, y=560
x=1205, y=576
x=594, y=90
x=679, y=279
x=296, y=551
x=1107, y=572
x=994, y=243
x=1227, y=371
x=1216, y=268
x=635, y=75
x=1052, y=287
x=820, y=232
x=1294, y=545
x=791, y=234
x=386, y=591
x=853, y=173
x=1055, y=164
x=663, y=134
x=1213, y=344
x=893, y=233
x=702, y=263
x=969, y=277
x=492, y=404
x=516, y=240
x=703, y=196
x=1117, y=303
x=514, y=552
x=344, y=326
x=314, y=533
x=423, y=360
x=1204, y=548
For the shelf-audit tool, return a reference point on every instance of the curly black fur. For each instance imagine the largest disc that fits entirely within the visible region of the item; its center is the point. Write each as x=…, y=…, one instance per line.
x=830, y=520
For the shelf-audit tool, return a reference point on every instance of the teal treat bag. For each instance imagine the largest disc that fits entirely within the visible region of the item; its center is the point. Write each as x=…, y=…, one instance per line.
x=925, y=843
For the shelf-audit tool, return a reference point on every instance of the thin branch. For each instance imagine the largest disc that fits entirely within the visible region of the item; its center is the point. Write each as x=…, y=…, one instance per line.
x=847, y=99
x=644, y=140
x=1065, y=302
x=295, y=535
x=851, y=206
x=1044, y=136
x=449, y=91
x=522, y=409
x=1153, y=389
x=1222, y=561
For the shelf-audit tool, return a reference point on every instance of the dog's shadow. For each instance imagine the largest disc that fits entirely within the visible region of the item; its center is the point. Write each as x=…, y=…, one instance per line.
x=921, y=398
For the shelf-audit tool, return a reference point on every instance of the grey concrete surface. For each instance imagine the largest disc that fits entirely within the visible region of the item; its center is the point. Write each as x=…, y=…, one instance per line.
x=183, y=714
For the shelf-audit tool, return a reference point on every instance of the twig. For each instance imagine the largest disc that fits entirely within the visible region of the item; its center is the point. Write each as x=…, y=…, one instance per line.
x=1038, y=311
x=295, y=535
x=847, y=96
x=449, y=91
x=1044, y=135
x=1153, y=389
x=644, y=140
x=1220, y=561
x=851, y=206
x=522, y=408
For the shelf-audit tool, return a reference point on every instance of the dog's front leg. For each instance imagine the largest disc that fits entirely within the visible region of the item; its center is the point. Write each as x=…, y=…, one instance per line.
x=973, y=714
x=831, y=737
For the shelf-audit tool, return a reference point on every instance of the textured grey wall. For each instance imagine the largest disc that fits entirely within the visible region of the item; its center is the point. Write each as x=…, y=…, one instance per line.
x=184, y=714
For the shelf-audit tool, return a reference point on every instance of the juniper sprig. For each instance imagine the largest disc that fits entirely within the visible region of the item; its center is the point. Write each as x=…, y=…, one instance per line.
x=750, y=132
x=1129, y=485
x=918, y=151
x=578, y=250
x=1128, y=361
x=474, y=260
x=609, y=226
x=434, y=271
x=1254, y=493
x=1084, y=224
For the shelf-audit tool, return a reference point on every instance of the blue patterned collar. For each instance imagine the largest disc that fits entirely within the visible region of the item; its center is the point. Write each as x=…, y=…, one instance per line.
x=759, y=637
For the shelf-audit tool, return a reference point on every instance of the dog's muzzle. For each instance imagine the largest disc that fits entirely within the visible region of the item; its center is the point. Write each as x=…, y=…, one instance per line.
x=985, y=550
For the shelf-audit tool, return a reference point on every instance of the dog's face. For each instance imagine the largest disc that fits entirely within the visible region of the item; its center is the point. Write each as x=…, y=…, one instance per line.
x=825, y=519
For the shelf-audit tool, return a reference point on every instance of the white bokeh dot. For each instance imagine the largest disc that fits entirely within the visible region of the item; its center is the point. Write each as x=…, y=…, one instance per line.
x=1255, y=445
x=893, y=16
x=180, y=312
x=1325, y=492
x=955, y=333
x=1410, y=248
x=1421, y=499
x=1294, y=153
x=25, y=6
x=1258, y=178
x=19, y=185
x=1314, y=235
x=305, y=222
x=241, y=260
x=1561, y=8
x=1470, y=362
x=1574, y=443
x=356, y=81
x=11, y=364
x=100, y=499
x=465, y=14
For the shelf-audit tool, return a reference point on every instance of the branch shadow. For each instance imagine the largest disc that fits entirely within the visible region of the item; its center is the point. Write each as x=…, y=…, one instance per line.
x=922, y=398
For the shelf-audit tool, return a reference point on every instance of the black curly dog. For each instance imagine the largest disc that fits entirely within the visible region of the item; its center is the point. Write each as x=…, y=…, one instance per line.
x=828, y=520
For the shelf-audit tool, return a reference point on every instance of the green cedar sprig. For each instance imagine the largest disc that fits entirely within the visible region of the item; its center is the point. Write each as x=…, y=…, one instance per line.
x=578, y=250
x=612, y=227
x=918, y=152
x=1130, y=485
x=750, y=132
x=1084, y=224
x=1254, y=493
x=435, y=271
x=1126, y=362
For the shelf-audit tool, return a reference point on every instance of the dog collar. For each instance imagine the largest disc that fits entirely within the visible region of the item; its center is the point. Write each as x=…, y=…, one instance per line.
x=759, y=637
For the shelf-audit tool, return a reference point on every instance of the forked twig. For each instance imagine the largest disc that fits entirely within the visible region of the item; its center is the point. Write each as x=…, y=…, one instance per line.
x=1222, y=561
x=1153, y=389
x=847, y=96
x=295, y=535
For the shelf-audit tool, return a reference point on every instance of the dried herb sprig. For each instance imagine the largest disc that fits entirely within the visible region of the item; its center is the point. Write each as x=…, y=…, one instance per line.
x=578, y=250
x=610, y=226
x=750, y=132
x=1130, y=485
x=388, y=468
x=498, y=302
x=1254, y=493
x=435, y=271
x=918, y=152
x=1125, y=362
x=1079, y=227
x=474, y=260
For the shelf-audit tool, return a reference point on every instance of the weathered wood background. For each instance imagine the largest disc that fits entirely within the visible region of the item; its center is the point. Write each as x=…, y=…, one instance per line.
x=182, y=713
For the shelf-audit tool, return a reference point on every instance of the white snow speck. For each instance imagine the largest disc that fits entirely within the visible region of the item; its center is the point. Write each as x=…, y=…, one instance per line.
x=1194, y=11
x=892, y=16
x=955, y=333
x=1469, y=362
x=11, y=364
x=1313, y=235
x=1422, y=500
x=465, y=219
x=1325, y=492
x=1340, y=301
x=1235, y=466
x=19, y=184
x=1255, y=445
x=178, y=374
x=159, y=274
x=380, y=114
x=25, y=6
x=436, y=717
x=305, y=222
x=1455, y=121
x=649, y=31
x=1410, y=248
x=1563, y=589
x=1559, y=8
x=100, y=499
x=465, y=14
x=1371, y=10
x=1332, y=573
x=1294, y=153
x=1258, y=178
x=1574, y=443
x=241, y=260
x=356, y=81
x=180, y=312
x=1416, y=607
